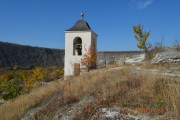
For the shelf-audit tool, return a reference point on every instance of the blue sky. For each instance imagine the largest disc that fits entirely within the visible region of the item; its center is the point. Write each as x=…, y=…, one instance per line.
x=42, y=22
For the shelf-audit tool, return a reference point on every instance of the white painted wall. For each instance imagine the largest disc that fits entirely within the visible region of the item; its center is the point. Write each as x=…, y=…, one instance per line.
x=70, y=59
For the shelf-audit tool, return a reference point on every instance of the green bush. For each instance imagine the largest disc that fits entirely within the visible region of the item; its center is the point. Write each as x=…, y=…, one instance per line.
x=61, y=72
x=16, y=82
x=12, y=88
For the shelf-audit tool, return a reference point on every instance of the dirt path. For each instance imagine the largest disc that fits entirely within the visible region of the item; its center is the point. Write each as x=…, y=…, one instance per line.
x=138, y=70
x=156, y=72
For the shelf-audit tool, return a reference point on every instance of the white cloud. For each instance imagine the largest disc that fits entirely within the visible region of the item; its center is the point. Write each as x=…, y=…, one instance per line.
x=141, y=4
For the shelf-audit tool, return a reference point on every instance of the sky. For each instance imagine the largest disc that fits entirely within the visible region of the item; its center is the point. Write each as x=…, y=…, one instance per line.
x=42, y=22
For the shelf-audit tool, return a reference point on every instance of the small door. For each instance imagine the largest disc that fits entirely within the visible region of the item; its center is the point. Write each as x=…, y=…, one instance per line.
x=76, y=69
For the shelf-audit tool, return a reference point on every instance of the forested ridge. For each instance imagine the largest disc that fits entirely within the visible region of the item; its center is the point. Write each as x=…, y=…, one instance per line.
x=27, y=56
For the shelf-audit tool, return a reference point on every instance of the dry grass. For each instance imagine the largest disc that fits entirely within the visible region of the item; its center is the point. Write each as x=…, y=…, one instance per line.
x=126, y=90
x=166, y=66
x=115, y=87
x=14, y=110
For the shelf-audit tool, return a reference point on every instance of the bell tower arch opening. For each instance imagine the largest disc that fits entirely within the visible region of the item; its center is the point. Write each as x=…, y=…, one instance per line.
x=77, y=46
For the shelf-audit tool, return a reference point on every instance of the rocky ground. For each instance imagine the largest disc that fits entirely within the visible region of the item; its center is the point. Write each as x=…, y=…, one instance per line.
x=68, y=112
x=136, y=61
x=167, y=73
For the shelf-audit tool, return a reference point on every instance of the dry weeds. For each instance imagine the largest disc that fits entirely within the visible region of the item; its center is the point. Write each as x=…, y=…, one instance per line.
x=110, y=88
x=14, y=110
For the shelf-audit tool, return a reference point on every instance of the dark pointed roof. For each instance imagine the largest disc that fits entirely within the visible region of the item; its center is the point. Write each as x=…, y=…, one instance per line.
x=80, y=25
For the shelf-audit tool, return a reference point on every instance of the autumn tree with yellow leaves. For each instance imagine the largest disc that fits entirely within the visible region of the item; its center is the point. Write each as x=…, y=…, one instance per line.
x=142, y=37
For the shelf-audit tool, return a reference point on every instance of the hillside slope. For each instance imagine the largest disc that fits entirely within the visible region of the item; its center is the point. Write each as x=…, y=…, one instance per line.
x=27, y=56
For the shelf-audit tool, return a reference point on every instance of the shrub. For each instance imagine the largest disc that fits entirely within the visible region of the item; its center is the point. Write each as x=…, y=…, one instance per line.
x=61, y=71
x=38, y=74
x=177, y=45
x=12, y=88
x=28, y=78
x=89, y=59
x=157, y=48
x=16, y=82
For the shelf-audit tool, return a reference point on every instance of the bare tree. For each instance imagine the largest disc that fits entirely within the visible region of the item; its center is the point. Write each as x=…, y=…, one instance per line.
x=177, y=44
x=159, y=45
x=156, y=48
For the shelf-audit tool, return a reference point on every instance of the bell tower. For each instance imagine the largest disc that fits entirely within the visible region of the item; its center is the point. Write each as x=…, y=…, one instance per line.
x=78, y=39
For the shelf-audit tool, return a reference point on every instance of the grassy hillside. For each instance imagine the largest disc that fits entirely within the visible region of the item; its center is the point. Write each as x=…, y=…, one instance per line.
x=26, y=56
x=108, y=87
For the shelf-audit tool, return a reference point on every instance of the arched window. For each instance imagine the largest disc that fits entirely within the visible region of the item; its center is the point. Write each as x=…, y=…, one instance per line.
x=77, y=46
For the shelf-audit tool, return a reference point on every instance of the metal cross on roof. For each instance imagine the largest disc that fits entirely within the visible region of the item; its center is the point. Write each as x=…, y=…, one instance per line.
x=82, y=15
